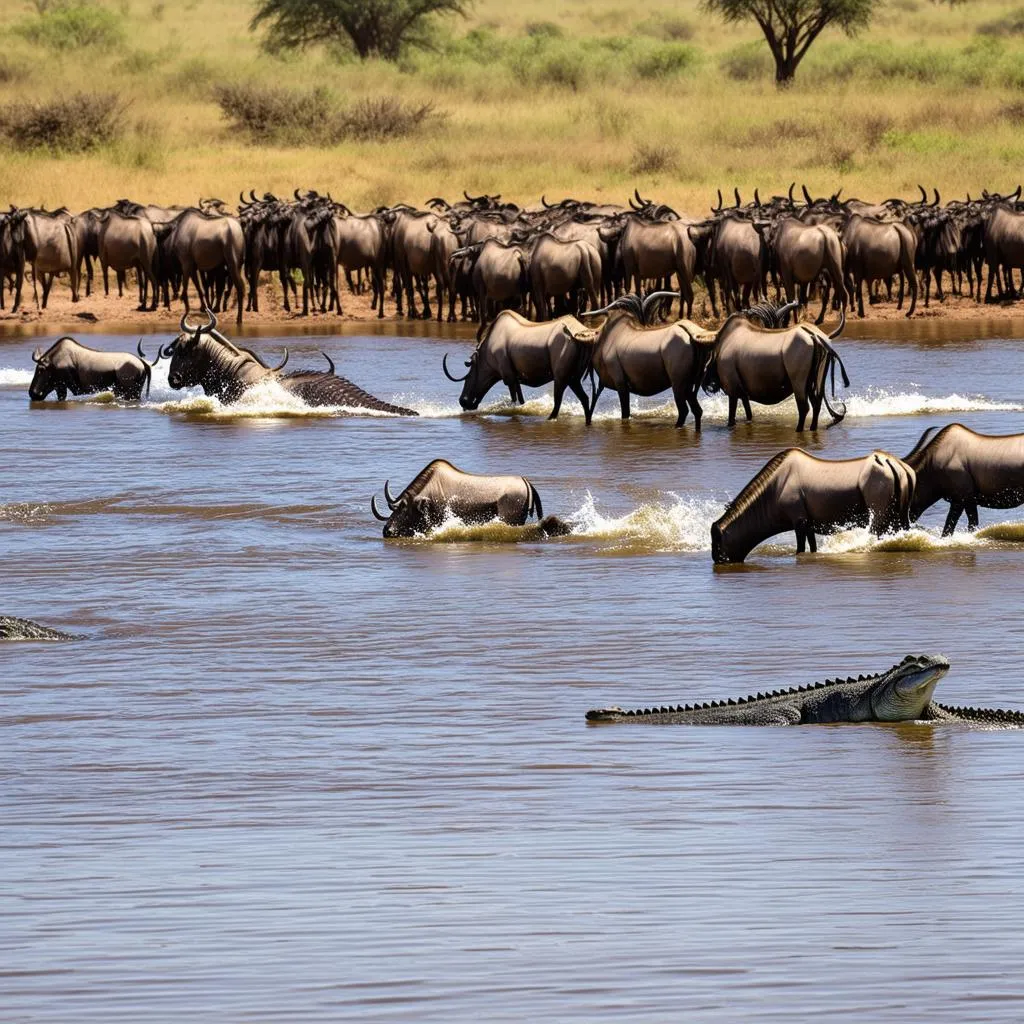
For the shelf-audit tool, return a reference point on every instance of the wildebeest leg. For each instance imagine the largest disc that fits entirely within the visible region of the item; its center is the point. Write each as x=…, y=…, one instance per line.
x=120, y=283
x=733, y=401
x=698, y=412
x=939, y=293
x=47, y=285
x=746, y=407
x=410, y=295
x=559, y=392
x=801, y=408
x=801, y=538
x=826, y=291
x=955, y=511
x=576, y=387
x=812, y=542
x=972, y=514
x=682, y=406
x=860, y=297
x=624, y=402
x=815, y=410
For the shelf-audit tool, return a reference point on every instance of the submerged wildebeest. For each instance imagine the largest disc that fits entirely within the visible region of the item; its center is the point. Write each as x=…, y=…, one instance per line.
x=517, y=351
x=966, y=469
x=797, y=491
x=754, y=363
x=67, y=365
x=440, y=489
x=202, y=357
x=632, y=358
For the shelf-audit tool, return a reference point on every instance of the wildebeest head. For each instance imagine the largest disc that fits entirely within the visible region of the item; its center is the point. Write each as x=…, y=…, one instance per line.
x=410, y=513
x=479, y=378
x=190, y=361
x=47, y=377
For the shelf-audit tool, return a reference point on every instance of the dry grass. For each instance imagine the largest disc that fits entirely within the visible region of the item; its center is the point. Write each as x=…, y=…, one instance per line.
x=591, y=98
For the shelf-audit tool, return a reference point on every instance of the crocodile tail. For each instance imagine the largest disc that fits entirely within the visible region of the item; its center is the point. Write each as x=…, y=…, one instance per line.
x=998, y=717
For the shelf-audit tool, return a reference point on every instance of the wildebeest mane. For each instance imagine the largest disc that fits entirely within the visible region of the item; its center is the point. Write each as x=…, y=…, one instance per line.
x=914, y=458
x=755, y=488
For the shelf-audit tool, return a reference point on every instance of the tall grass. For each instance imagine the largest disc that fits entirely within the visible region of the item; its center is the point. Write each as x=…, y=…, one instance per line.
x=593, y=98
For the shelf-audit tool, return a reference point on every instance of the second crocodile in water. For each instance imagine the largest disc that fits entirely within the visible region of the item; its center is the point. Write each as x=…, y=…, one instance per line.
x=902, y=693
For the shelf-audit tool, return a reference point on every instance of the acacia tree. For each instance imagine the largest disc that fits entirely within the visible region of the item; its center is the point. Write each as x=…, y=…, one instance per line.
x=375, y=28
x=790, y=26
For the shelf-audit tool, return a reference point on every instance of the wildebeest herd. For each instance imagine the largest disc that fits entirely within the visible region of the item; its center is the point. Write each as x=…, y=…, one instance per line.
x=483, y=255
x=755, y=357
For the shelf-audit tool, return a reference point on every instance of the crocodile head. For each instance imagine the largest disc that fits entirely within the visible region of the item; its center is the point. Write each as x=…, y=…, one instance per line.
x=902, y=693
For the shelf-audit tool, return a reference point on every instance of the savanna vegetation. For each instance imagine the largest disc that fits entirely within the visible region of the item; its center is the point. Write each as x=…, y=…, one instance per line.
x=166, y=101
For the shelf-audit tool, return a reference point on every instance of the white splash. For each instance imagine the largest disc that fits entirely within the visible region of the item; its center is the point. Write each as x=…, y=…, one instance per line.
x=10, y=377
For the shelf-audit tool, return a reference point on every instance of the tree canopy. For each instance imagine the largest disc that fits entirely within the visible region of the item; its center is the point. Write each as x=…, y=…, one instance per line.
x=375, y=28
x=790, y=26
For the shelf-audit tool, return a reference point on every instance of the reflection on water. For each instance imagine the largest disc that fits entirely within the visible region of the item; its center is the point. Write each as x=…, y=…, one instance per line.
x=298, y=773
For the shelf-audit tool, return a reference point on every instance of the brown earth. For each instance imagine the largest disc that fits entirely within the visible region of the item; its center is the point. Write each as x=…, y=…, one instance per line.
x=121, y=315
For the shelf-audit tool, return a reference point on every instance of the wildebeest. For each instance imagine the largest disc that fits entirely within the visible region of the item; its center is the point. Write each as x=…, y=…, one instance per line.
x=51, y=248
x=12, y=253
x=967, y=469
x=440, y=489
x=127, y=243
x=797, y=491
x=752, y=363
x=1004, y=244
x=499, y=275
x=67, y=365
x=803, y=254
x=205, y=242
x=877, y=251
x=202, y=357
x=518, y=351
x=632, y=358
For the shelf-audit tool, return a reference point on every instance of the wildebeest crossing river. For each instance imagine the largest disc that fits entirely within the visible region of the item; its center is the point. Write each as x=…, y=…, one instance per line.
x=297, y=773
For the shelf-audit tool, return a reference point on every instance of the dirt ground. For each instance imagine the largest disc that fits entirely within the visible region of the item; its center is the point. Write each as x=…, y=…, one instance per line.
x=98, y=312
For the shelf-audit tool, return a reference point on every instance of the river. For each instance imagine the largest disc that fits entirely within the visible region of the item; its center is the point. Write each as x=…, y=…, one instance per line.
x=296, y=773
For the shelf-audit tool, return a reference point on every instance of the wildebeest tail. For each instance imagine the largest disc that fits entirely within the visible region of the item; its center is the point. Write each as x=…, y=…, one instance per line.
x=534, y=506
x=710, y=381
x=826, y=358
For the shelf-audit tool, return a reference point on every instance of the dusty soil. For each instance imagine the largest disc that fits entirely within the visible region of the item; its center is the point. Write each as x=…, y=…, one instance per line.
x=100, y=312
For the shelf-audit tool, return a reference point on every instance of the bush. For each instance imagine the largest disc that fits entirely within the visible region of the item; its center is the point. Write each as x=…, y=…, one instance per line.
x=674, y=30
x=1011, y=24
x=748, y=62
x=653, y=159
x=386, y=117
x=13, y=69
x=293, y=117
x=283, y=116
x=72, y=124
x=73, y=27
x=665, y=60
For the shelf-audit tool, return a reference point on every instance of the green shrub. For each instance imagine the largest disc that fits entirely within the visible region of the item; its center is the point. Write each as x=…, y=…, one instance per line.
x=69, y=124
x=295, y=117
x=73, y=27
x=653, y=158
x=673, y=30
x=665, y=60
x=1011, y=24
x=747, y=62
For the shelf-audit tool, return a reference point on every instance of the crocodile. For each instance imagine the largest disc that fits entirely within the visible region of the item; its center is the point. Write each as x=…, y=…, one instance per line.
x=902, y=693
x=24, y=629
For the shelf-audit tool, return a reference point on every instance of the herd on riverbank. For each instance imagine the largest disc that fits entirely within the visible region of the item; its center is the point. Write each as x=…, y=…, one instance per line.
x=480, y=255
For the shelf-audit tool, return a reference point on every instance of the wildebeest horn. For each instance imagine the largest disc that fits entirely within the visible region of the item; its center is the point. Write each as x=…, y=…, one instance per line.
x=757, y=199
x=280, y=366
x=376, y=514
x=544, y=202
x=655, y=297
x=736, y=193
x=252, y=195
x=936, y=191
x=791, y=187
x=296, y=194
x=330, y=361
x=1016, y=195
x=807, y=196
x=37, y=355
x=924, y=195
x=717, y=209
x=785, y=310
x=142, y=355
x=447, y=372
x=387, y=496
x=640, y=199
x=187, y=328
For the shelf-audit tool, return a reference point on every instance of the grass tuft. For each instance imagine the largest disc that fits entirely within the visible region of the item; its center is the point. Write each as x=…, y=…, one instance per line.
x=75, y=26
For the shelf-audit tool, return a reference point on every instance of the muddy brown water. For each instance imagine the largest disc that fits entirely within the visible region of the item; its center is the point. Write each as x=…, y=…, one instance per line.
x=296, y=773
